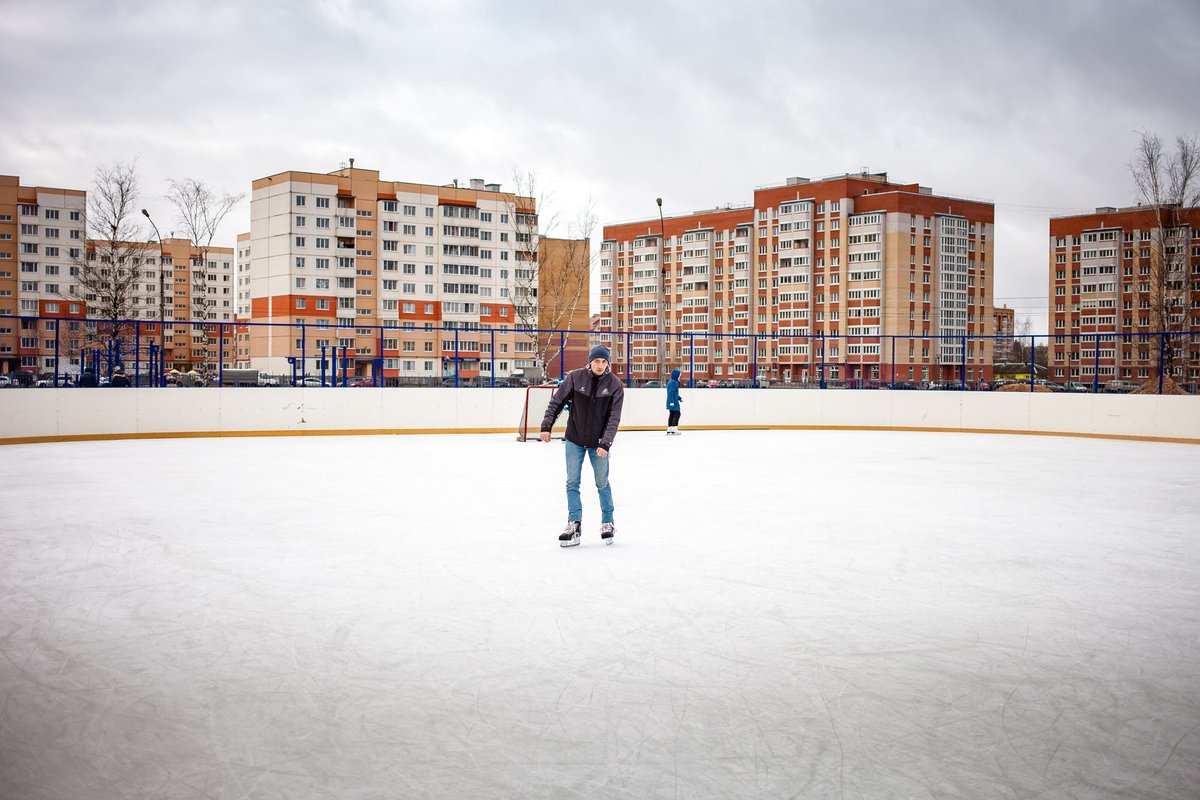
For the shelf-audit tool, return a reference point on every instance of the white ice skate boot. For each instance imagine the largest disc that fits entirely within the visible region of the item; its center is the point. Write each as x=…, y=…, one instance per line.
x=606, y=532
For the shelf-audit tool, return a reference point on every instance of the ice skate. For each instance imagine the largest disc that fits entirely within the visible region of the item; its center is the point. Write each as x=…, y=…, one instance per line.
x=570, y=536
x=606, y=532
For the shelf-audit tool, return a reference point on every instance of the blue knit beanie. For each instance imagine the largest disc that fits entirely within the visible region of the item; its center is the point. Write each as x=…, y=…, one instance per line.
x=599, y=351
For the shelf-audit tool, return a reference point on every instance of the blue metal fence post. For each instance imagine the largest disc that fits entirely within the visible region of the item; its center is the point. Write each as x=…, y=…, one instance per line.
x=1162, y=351
x=57, y=325
x=893, y=382
x=822, y=381
x=379, y=373
x=324, y=348
x=562, y=355
x=137, y=353
x=1032, y=361
x=691, y=361
x=220, y=354
x=492, y=353
x=754, y=363
x=456, y=361
x=345, y=366
x=304, y=349
x=963, y=382
x=1096, y=368
x=628, y=357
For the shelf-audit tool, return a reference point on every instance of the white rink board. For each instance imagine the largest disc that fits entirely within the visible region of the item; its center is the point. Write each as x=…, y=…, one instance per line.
x=79, y=413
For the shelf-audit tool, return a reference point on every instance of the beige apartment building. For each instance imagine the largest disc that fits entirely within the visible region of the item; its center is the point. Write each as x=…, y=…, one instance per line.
x=1004, y=326
x=409, y=278
x=814, y=275
x=1118, y=278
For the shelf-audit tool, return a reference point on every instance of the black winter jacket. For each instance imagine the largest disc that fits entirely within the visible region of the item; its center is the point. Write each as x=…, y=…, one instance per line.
x=595, y=407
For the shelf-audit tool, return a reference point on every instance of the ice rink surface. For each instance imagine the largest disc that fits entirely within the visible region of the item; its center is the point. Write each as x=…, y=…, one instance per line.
x=784, y=614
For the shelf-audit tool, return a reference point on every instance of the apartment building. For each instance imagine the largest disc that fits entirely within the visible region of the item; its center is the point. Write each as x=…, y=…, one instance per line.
x=42, y=237
x=1004, y=326
x=812, y=276
x=564, y=302
x=188, y=285
x=242, y=272
x=409, y=278
x=48, y=268
x=1118, y=277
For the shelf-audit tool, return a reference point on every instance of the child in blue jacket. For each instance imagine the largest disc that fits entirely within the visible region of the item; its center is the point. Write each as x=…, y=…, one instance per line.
x=673, y=402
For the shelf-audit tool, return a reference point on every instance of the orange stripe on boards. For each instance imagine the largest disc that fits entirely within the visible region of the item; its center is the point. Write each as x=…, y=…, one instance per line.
x=100, y=437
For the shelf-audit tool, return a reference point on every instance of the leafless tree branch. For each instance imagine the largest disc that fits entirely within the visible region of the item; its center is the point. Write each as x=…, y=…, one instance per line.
x=201, y=212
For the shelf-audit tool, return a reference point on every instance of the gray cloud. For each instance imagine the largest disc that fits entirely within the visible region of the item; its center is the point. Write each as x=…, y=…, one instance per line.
x=1032, y=105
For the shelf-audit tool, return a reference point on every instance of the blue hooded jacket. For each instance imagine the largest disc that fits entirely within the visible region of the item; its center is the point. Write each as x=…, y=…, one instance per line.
x=673, y=391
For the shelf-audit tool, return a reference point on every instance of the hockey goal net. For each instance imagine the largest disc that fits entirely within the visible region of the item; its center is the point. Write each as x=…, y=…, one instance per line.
x=534, y=409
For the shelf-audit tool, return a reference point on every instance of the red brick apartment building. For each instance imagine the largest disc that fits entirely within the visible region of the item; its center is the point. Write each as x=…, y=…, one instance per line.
x=1116, y=277
x=844, y=262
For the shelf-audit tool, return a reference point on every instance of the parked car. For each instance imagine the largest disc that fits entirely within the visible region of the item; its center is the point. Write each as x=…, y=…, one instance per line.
x=902, y=385
x=1077, y=387
x=653, y=385
x=310, y=381
x=267, y=380
x=5, y=382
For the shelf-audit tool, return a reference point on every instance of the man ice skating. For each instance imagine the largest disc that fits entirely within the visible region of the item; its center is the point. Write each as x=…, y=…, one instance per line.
x=673, y=401
x=596, y=397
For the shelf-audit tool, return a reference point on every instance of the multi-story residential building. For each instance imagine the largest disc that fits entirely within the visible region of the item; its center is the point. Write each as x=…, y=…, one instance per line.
x=194, y=287
x=45, y=261
x=42, y=237
x=1004, y=325
x=812, y=276
x=563, y=302
x=241, y=271
x=1118, y=278
x=409, y=278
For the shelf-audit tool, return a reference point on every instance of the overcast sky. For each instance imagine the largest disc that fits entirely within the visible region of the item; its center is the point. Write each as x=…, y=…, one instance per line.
x=1034, y=106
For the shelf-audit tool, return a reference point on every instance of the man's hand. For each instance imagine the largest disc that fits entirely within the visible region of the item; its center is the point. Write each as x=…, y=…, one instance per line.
x=600, y=451
x=544, y=436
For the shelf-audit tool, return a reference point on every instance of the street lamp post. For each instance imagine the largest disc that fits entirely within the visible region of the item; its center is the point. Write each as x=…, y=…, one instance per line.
x=662, y=303
x=162, y=294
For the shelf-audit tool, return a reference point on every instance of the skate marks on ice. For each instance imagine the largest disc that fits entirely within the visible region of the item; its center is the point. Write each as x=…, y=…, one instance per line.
x=807, y=614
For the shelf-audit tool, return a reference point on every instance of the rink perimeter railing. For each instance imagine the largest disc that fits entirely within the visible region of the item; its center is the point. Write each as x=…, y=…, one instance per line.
x=318, y=354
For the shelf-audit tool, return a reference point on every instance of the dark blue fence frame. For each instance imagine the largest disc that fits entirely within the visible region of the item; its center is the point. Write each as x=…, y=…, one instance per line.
x=111, y=355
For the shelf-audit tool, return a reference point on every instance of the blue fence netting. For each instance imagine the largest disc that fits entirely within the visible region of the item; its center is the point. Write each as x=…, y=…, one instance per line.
x=58, y=351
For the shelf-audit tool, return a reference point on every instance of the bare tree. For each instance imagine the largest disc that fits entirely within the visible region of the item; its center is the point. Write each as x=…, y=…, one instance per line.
x=105, y=272
x=1169, y=183
x=551, y=276
x=1022, y=342
x=201, y=212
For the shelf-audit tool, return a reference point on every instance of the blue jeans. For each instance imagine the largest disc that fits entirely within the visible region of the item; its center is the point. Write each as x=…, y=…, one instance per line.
x=599, y=470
